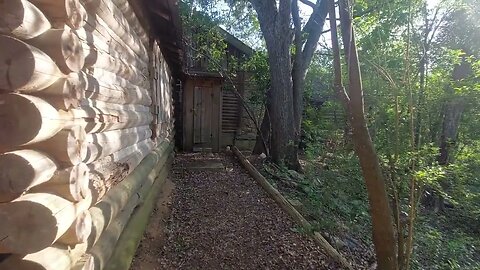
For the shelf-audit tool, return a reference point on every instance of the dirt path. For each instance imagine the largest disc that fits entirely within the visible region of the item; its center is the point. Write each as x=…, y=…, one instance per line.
x=222, y=220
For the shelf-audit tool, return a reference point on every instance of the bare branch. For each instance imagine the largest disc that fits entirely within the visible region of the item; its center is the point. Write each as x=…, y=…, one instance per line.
x=308, y=3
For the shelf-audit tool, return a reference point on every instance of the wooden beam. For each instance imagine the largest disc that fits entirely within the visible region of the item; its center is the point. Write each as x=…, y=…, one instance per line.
x=79, y=231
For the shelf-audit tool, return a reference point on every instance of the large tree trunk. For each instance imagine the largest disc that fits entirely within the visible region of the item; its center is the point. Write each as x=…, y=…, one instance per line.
x=282, y=148
x=288, y=77
x=275, y=26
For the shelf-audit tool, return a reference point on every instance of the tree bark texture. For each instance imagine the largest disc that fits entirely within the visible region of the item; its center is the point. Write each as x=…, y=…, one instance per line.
x=287, y=76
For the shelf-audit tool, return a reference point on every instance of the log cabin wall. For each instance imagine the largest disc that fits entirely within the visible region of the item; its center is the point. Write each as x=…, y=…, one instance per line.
x=86, y=124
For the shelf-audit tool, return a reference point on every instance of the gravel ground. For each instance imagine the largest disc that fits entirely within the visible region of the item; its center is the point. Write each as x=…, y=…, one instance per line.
x=222, y=220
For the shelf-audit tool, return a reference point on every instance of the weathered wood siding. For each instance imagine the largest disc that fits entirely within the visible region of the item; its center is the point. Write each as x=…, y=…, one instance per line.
x=86, y=121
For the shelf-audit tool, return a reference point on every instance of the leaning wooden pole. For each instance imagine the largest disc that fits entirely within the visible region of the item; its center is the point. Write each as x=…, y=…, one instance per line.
x=287, y=207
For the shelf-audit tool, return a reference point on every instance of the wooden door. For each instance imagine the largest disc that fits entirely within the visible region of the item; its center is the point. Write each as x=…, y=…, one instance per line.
x=202, y=115
x=205, y=119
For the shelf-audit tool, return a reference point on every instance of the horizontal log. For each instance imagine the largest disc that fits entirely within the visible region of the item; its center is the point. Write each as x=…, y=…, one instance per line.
x=63, y=46
x=61, y=12
x=102, y=251
x=65, y=93
x=118, y=91
x=103, y=144
x=97, y=59
x=132, y=19
x=71, y=184
x=117, y=23
x=56, y=257
x=99, y=120
x=21, y=19
x=20, y=170
x=126, y=246
x=24, y=67
x=67, y=147
x=104, y=212
x=35, y=221
x=112, y=106
x=96, y=34
x=79, y=231
x=114, y=168
x=26, y=119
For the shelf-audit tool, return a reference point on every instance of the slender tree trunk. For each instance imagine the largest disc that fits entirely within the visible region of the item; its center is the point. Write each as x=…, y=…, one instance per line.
x=423, y=78
x=382, y=221
x=265, y=129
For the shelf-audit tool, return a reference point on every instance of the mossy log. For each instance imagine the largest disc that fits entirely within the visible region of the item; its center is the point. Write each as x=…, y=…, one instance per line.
x=104, y=212
x=129, y=240
x=103, y=249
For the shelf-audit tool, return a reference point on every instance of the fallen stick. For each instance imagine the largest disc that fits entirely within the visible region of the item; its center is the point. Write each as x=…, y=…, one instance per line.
x=287, y=207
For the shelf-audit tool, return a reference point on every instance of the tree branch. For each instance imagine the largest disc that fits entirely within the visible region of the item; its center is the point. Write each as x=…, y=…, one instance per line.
x=308, y=3
x=313, y=28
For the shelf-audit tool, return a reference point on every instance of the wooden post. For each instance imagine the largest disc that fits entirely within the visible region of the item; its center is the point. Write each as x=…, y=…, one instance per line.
x=61, y=12
x=20, y=170
x=35, y=221
x=24, y=67
x=21, y=19
x=63, y=46
x=26, y=119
